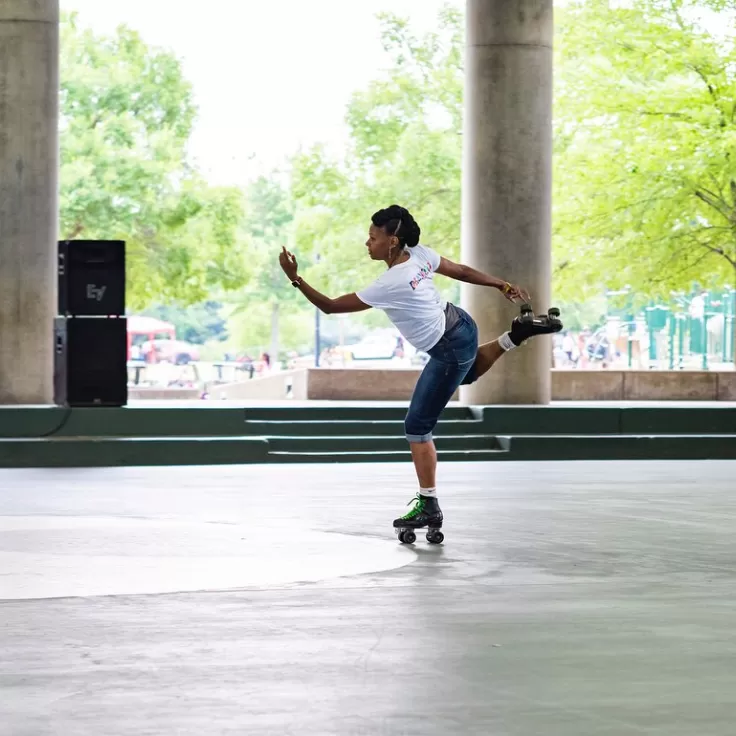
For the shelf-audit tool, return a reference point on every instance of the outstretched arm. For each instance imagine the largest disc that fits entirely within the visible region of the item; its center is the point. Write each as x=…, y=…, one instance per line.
x=469, y=275
x=341, y=305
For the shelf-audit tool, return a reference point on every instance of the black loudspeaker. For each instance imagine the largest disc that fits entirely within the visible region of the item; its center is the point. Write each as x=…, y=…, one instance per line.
x=92, y=278
x=90, y=361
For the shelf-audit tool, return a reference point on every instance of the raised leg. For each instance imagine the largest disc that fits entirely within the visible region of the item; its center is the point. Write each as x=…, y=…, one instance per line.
x=522, y=328
x=488, y=354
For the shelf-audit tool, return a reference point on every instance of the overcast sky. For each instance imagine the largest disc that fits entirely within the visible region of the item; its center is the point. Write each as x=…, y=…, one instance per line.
x=267, y=76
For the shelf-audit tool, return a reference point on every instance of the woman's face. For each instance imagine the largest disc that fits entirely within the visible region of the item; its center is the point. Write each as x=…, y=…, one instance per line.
x=381, y=246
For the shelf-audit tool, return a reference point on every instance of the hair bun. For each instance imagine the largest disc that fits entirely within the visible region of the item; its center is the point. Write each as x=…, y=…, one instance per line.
x=395, y=218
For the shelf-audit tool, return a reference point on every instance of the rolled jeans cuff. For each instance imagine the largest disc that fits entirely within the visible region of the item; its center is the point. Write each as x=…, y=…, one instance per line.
x=419, y=437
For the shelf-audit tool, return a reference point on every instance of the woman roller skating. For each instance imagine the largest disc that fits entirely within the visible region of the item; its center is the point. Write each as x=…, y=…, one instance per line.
x=406, y=293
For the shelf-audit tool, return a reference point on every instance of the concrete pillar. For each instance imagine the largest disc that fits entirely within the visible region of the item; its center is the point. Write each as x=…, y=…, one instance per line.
x=507, y=184
x=29, y=160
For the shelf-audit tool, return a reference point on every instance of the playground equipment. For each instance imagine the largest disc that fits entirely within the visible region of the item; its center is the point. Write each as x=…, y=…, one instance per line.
x=694, y=330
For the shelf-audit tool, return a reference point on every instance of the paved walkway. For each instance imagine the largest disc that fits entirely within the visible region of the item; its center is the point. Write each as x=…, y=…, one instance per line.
x=570, y=599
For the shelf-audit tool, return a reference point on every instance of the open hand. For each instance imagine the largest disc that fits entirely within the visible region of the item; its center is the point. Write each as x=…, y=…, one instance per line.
x=513, y=293
x=288, y=264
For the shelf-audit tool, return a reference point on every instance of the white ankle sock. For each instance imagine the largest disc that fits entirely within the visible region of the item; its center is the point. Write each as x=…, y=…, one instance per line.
x=505, y=342
x=429, y=492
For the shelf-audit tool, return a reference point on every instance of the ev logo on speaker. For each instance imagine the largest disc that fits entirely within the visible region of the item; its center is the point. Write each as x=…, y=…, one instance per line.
x=95, y=292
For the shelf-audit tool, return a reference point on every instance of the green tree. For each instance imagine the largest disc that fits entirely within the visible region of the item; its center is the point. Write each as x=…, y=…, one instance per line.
x=405, y=147
x=268, y=297
x=644, y=190
x=126, y=118
x=197, y=324
x=645, y=167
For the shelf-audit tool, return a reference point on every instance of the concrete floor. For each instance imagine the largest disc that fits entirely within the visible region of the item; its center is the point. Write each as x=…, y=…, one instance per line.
x=585, y=599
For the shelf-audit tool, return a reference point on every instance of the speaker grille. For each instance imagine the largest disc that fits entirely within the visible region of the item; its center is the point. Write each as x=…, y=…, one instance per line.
x=91, y=362
x=91, y=275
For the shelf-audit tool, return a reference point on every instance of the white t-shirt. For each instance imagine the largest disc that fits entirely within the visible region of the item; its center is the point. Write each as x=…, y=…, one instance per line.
x=409, y=298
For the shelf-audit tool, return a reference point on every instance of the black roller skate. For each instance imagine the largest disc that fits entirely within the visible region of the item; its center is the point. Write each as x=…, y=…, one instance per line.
x=426, y=512
x=527, y=324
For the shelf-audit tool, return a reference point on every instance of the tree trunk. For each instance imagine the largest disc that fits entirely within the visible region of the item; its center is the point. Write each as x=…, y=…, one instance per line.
x=274, y=333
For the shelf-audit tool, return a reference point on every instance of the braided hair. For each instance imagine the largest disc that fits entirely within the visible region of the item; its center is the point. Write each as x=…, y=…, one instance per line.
x=398, y=221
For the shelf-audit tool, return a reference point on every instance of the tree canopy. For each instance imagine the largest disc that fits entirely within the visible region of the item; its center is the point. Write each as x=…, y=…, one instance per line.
x=645, y=175
x=644, y=180
x=126, y=117
x=268, y=311
x=405, y=146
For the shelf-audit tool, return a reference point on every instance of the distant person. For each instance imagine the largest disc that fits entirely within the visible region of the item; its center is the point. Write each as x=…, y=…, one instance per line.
x=150, y=355
x=569, y=348
x=399, y=351
x=583, y=338
x=406, y=293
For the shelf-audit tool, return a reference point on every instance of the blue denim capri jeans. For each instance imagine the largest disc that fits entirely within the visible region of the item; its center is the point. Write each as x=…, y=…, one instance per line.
x=451, y=364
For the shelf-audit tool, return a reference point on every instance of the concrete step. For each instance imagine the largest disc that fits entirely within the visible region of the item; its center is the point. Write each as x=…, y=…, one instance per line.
x=208, y=420
x=368, y=427
x=374, y=412
x=214, y=420
x=48, y=421
x=600, y=419
x=385, y=456
x=548, y=447
x=620, y=447
x=89, y=452
x=374, y=443
x=142, y=451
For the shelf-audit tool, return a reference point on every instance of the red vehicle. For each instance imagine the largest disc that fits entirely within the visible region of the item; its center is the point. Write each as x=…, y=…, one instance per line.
x=177, y=352
x=146, y=329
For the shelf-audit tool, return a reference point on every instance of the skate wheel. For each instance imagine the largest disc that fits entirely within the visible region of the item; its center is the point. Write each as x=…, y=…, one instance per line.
x=435, y=537
x=553, y=312
x=407, y=537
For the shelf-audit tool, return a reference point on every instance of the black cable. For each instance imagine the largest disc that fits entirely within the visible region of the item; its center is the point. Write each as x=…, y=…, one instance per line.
x=57, y=428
